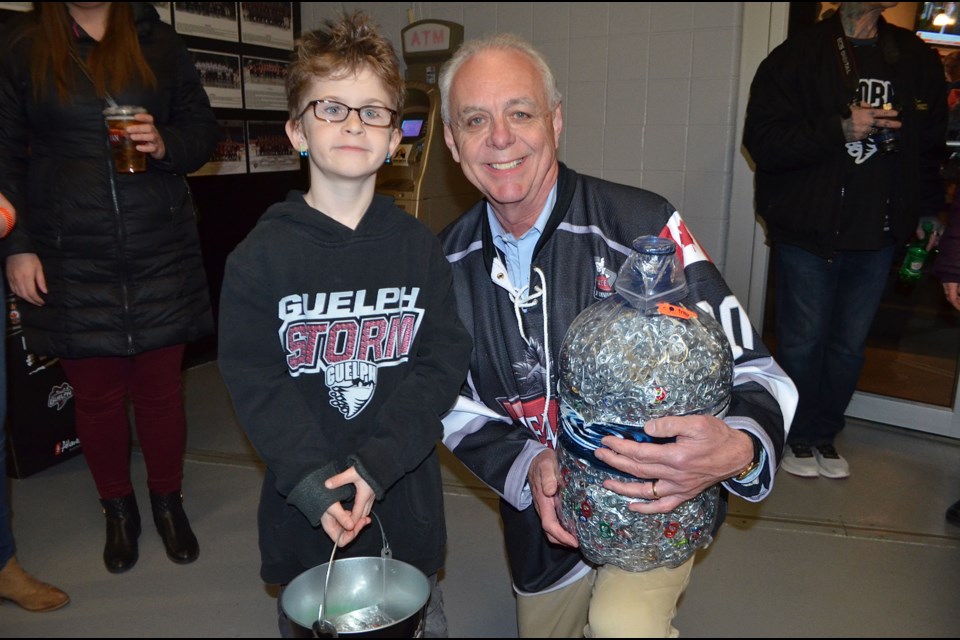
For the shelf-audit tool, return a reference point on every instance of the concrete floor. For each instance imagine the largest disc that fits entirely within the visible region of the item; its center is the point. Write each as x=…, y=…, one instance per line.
x=869, y=556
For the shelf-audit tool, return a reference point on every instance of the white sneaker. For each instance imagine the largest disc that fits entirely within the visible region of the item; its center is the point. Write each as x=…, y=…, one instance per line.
x=831, y=463
x=799, y=460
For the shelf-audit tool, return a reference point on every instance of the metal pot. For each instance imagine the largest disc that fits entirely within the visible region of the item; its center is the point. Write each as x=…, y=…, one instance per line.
x=365, y=597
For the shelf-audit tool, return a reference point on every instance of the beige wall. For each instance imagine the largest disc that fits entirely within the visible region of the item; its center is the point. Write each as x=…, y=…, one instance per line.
x=650, y=89
x=903, y=15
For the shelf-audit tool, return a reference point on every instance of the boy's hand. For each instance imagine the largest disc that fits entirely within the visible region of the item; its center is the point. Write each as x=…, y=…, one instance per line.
x=351, y=523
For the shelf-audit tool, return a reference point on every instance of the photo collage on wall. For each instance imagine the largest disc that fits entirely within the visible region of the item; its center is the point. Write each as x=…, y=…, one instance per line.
x=241, y=51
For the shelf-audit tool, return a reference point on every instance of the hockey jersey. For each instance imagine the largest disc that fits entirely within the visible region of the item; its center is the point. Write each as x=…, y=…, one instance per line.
x=507, y=412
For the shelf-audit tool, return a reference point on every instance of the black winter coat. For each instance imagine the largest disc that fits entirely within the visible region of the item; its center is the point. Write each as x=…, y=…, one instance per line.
x=120, y=252
x=793, y=133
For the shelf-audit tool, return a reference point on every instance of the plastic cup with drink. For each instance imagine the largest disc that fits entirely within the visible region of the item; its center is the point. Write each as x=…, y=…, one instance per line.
x=126, y=158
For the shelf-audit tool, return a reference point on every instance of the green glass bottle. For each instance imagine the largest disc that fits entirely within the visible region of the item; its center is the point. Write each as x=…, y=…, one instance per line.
x=912, y=267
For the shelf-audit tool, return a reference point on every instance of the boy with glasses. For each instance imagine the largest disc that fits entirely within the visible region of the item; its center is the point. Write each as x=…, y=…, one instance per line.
x=339, y=337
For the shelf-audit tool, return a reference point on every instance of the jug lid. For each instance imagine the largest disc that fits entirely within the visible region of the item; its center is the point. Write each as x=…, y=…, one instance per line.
x=652, y=273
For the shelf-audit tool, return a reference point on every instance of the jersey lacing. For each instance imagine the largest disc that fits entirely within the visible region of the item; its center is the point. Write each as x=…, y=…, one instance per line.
x=523, y=299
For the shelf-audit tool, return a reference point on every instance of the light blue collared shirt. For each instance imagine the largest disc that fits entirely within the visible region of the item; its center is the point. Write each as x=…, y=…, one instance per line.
x=518, y=252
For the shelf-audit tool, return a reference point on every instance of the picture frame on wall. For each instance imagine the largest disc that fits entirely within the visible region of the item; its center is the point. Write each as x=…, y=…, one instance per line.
x=214, y=20
x=230, y=156
x=270, y=149
x=263, y=83
x=221, y=78
x=267, y=24
x=165, y=9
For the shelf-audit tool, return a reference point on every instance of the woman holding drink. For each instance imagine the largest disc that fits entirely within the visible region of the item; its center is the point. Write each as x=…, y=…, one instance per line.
x=108, y=257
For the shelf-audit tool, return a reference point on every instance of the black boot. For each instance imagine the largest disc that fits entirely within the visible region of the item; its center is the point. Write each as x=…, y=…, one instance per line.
x=174, y=528
x=953, y=513
x=123, y=528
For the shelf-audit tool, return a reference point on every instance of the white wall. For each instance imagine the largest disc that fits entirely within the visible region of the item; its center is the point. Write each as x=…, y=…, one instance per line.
x=650, y=89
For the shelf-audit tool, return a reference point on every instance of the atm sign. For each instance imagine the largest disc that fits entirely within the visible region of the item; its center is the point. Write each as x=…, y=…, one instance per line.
x=427, y=37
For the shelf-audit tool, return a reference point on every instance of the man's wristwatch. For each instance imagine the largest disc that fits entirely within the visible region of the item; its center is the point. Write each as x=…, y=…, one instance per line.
x=757, y=451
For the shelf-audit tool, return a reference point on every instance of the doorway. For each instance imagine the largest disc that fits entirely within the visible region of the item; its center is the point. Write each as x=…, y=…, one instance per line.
x=914, y=344
x=910, y=376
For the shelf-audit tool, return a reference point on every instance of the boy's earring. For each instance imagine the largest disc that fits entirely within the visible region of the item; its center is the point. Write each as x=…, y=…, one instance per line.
x=388, y=160
x=303, y=151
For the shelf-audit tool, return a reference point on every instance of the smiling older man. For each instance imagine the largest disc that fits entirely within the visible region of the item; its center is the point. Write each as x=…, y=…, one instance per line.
x=526, y=260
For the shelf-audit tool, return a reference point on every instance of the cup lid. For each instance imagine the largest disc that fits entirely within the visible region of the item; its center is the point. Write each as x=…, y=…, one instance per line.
x=123, y=110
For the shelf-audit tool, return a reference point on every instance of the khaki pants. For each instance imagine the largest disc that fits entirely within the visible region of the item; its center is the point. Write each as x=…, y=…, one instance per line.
x=607, y=603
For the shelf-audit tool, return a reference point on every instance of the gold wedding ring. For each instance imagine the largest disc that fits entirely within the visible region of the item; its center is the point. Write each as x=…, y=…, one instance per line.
x=653, y=488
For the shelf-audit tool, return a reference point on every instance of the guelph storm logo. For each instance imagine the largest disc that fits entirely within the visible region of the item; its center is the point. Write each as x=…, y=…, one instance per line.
x=351, y=386
x=340, y=335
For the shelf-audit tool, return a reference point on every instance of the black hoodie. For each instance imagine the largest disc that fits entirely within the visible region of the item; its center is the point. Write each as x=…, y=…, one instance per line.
x=343, y=348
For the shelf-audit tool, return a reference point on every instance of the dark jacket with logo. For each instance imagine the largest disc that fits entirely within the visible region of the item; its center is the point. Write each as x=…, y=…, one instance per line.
x=793, y=133
x=342, y=347
x=120, y=252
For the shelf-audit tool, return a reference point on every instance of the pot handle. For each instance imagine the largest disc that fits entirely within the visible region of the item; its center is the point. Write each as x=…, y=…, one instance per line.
x=322, y=626
x=385, y=553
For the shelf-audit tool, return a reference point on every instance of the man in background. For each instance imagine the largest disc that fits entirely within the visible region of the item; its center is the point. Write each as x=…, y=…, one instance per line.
x=846, y=123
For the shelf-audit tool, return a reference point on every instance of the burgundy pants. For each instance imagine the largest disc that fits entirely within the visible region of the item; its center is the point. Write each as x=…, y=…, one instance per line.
x=100, y=387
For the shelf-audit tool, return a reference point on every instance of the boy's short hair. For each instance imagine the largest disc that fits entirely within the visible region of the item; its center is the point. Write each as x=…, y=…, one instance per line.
x=338, y=49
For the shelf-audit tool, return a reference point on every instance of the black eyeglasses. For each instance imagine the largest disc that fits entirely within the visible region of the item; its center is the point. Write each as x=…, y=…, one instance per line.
x=371, y=114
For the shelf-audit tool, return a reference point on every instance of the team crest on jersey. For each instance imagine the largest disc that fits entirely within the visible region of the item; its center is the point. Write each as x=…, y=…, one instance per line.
x=529, y=413
x=530, y=407
x=347, y=339
x=605, y=279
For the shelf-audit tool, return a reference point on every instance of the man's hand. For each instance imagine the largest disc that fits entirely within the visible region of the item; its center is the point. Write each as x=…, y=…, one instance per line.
x=953, y=297
x=865, y=121
x=544, y=479
x=936, y=231
x=705, y=452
